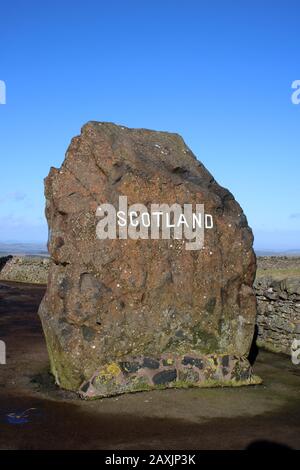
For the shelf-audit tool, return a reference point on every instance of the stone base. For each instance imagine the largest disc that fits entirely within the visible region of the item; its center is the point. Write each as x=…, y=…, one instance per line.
x=168, y=371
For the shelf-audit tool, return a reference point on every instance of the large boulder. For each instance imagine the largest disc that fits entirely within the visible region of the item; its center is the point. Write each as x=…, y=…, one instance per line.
x=123, y=314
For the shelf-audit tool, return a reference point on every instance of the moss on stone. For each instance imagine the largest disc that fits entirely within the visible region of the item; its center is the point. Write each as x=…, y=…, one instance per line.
x=206, y=342
x=170, y=361
x=60, y=365
x=269, y=346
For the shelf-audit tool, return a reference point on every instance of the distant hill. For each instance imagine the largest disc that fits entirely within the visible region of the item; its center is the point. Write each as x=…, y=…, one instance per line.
x=23, y=249
x=277, y=253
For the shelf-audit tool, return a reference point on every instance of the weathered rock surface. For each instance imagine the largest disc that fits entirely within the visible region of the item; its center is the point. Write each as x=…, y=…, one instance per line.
x=123, y=315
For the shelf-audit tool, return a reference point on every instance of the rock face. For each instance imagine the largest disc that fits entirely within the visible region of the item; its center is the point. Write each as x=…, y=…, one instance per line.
x=122, y=315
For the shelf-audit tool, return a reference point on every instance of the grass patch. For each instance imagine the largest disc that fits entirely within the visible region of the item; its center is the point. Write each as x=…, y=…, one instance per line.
x=278, y=273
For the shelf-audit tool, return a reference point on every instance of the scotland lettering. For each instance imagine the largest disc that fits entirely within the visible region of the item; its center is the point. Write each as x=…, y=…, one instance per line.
x=163, y=221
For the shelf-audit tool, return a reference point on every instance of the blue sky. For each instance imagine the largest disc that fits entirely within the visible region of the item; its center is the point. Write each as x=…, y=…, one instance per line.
x=217, y=72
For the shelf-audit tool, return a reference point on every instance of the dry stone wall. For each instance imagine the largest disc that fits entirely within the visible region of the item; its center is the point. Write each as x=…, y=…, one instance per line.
x=278, y=313
x=29, y=269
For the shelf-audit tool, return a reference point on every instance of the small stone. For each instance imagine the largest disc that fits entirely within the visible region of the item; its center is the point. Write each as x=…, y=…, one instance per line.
x=164, y=377
x=150, y=363
x=129, y=367
x=193, y=362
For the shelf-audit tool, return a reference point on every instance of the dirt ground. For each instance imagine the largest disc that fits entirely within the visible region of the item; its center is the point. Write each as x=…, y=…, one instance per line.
x=223, y=418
